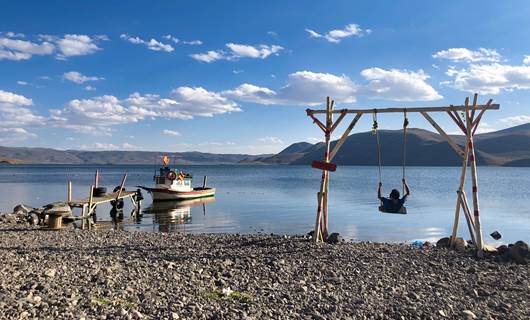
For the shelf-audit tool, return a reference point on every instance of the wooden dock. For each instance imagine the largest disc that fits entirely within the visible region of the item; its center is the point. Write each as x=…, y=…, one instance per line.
x=100, y=200
x=88, y=205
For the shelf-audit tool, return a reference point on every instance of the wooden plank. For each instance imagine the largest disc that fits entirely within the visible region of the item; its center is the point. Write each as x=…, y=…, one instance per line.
x=99, y=200
x=323, y=165
x=409, y=110
x=344, y=137
x=450, y=140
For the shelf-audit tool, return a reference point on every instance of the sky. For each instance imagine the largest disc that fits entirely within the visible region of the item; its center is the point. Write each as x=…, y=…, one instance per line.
x=237, y=76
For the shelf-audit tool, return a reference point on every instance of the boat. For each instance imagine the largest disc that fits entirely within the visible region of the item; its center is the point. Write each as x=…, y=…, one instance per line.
x=174, y=184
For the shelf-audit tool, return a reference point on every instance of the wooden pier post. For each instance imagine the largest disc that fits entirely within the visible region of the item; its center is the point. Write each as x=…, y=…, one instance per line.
x=89, y=211
x=96, y=179
x=69, y=192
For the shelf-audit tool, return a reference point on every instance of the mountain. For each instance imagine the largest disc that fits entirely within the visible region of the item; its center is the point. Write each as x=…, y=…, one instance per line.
x=509, y=147
x=53, y=156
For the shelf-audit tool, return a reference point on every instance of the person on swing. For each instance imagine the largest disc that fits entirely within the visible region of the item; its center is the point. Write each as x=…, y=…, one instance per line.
x=393, y=204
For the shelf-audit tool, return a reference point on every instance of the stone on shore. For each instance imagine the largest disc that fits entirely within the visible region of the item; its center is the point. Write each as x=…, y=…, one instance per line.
x=131, y=275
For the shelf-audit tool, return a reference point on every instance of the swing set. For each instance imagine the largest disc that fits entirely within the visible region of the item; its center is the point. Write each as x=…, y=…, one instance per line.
x=467, y=121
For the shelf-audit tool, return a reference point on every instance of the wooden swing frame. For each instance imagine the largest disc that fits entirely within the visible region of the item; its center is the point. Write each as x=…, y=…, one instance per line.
x=468, y=124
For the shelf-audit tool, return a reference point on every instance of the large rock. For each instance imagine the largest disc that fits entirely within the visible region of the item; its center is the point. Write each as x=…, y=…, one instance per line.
x=58, y=208
x=443, y=242
x=517, y=255
x=460, y=244
x=22, y=209
x=334, y=238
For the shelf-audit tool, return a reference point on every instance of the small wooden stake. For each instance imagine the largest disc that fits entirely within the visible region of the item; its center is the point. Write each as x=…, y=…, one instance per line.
x=96, y=179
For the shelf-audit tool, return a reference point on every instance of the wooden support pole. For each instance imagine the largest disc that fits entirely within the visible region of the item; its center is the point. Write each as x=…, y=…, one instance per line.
x=338, y=121
x=476, y=121
x=450, y=140
x=344, y=136
x=204, y=180
x=460, y=189
x=69, y=191
x=469, y=217
x=320, y=232
x=476, y=206
x=83, y=217
x=121, y=185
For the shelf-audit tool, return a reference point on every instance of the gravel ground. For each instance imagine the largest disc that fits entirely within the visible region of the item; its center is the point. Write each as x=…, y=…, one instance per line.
x=128, y=275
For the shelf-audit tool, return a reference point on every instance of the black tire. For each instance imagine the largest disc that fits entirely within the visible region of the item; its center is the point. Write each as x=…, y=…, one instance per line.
x=118, y=188
x=99, y=191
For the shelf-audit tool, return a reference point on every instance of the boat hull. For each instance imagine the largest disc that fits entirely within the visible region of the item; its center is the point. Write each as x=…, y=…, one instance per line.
x=159, y=194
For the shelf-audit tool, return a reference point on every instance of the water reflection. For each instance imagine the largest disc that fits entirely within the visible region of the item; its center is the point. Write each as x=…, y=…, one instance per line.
x=173, y=216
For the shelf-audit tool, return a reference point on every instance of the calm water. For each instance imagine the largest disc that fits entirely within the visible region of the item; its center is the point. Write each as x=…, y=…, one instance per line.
x=282, y=199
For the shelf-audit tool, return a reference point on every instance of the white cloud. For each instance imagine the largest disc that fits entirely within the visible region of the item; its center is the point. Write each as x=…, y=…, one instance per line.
x=261, y=51
x=516, y=120
x=178, y=41
x=237, y=51
x=109, y=147
x=79, y=78
x=310, y=88
x=170, y=133
x=15, y=49
x=22, y=83
x=67, y=46
x=97, y=115
x=8, y=135
x=271, y=140
x=152, y=44
x=302, y=88
x=209, y=56
x=76, y=45
x=466, y=55
x=490, y=78
x=337, y=35
x=15, y=112
x=90, y=88
x=9, y=98
x=526, y=60
x=398, y=85
x=11, y=34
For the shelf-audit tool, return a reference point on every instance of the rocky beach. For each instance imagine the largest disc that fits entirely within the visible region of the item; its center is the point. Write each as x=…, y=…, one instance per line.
x=76, y=274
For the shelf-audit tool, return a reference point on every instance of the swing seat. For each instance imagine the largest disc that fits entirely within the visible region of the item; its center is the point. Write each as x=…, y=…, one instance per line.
x=402, y=210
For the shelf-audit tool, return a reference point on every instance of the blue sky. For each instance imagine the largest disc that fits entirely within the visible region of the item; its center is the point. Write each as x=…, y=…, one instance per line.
x=236, y=76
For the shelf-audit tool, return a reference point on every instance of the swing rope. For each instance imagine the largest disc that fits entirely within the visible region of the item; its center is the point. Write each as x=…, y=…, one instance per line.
x=376, y=132
x=404, y=151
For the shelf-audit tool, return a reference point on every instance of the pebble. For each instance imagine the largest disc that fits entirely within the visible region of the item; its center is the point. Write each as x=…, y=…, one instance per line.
x=131, y=275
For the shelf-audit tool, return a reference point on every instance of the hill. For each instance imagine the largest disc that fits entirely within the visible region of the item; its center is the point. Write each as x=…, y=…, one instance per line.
x=509, y=147
x=53, y=156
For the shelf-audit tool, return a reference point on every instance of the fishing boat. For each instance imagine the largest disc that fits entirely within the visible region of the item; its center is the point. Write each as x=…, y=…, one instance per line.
x=173, y=184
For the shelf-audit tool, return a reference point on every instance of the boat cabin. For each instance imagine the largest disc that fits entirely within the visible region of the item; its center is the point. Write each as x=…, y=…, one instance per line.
x=173, y=179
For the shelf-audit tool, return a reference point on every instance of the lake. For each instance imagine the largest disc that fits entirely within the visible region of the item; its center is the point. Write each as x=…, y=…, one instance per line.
x=282, y=199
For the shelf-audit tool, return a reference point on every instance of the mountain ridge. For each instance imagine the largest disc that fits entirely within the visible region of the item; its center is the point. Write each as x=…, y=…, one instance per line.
x=507, y=147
